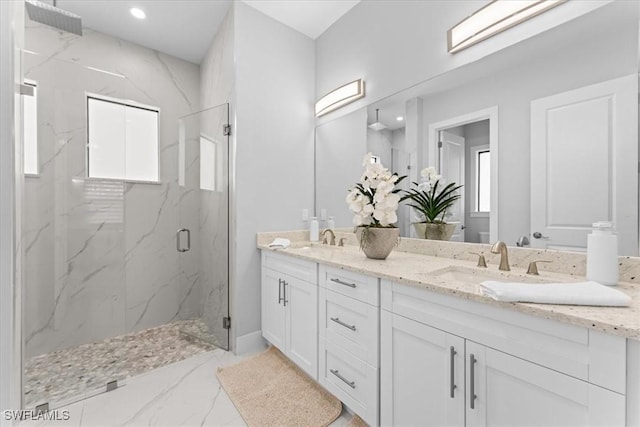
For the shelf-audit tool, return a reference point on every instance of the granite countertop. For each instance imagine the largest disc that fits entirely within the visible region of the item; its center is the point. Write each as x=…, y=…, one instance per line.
x=418, y=270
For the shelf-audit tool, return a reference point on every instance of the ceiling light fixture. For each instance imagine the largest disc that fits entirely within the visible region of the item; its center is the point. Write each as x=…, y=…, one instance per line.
x=497, y=16
x=340, y=97
x=138, y=13
x=377, y=125
x=399, y=118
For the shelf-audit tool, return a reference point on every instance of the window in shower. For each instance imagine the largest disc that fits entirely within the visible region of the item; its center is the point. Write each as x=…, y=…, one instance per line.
x=30, y=130
x=209, y=164
x=123, y=140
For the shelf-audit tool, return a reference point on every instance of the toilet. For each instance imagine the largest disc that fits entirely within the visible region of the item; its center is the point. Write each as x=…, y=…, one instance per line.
x=483, y=236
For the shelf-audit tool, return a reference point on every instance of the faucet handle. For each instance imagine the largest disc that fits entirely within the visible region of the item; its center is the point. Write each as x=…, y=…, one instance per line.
x=341, y=241
x=482, y=262
x=533, y=266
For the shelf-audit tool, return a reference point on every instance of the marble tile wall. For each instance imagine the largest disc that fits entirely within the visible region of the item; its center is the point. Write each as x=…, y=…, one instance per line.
x=100, y=257
x=217, y=79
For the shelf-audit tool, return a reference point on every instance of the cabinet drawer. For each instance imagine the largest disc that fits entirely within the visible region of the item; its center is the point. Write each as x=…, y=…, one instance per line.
x=351, y=324
x=354, y=285
x=351, y=380
x=295, y=267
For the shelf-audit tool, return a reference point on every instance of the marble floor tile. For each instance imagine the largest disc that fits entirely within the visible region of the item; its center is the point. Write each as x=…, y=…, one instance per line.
x=186, y=393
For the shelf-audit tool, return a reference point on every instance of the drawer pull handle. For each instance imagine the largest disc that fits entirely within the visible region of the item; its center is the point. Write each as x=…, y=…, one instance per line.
x=284, y=291
x=452, y=384
x=472, y=381
x=346, y=381
x=280, y=298
x=340, y=282
x=340, y=322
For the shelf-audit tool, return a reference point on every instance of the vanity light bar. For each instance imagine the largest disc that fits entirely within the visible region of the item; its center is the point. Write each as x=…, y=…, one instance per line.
x=340, y=97
x=497, y=16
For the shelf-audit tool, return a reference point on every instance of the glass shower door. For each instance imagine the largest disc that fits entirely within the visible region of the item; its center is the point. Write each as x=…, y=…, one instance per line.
x=202, y=237
x=74, y=233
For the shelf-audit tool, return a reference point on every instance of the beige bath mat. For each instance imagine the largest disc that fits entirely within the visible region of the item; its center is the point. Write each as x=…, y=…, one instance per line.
x=269, y=390
x=356, y=421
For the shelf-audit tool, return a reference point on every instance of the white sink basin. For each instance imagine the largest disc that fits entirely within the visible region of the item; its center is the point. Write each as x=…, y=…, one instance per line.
x=478, y=275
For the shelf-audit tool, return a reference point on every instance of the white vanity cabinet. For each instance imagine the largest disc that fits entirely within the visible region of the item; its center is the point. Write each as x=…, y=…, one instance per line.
x=446, y=361
x=349, y=335
x=290, y=308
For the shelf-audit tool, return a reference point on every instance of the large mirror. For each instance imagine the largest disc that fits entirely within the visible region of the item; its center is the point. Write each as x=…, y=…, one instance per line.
x=543, y=136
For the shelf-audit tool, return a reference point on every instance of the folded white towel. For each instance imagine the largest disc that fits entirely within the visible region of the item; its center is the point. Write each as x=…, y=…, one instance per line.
x=583, y=293
x=280, y=242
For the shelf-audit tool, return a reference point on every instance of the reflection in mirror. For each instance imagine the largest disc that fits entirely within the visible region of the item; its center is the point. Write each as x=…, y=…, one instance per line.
x=562, y=147
x=340, y=146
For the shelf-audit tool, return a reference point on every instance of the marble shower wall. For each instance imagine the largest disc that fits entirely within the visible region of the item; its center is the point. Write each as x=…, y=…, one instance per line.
x=100, y=257
x=217, y=80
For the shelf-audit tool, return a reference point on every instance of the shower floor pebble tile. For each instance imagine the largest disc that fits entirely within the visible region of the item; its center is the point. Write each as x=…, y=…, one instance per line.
x=186, y=394
x=68, y=374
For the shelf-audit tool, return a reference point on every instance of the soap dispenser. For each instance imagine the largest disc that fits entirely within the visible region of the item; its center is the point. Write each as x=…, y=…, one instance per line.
x=314, y=229
x=602, y=254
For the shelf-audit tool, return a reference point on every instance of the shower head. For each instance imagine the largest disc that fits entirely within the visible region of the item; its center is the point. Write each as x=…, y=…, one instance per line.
x=54, y=17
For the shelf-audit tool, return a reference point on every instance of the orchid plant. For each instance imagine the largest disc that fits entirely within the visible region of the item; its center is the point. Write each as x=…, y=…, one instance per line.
x=374, y=200
x=430, y=202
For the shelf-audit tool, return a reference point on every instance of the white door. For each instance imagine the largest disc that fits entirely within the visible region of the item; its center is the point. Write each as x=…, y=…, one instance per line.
x=584, y=165
x=512, y=392
x=301, y=300
x=452, y=170
x=421, y=374
x=273, y=319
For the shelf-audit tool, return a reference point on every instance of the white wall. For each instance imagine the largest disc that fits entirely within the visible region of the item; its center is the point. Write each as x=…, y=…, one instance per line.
x=274, y=144
x=395, y=44
x=11, y=39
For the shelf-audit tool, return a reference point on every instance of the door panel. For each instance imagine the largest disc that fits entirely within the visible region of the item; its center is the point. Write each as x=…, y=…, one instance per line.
x=203, y=180
x=584, y=160
x=301, y=299
x=452, y=170
x=273, y=327
x=416, y=374
x=511, y=391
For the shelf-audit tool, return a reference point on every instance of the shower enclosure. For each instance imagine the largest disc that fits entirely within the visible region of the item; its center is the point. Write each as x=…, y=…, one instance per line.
x=122, y=275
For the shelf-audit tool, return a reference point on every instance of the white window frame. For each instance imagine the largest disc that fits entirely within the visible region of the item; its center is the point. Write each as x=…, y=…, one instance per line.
x=34, y=84
x=127, y=103
x=473, y=169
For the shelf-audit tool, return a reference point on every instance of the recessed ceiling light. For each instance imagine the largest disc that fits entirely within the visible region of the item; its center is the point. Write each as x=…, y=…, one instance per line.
x=138, y=13
x=399, y=118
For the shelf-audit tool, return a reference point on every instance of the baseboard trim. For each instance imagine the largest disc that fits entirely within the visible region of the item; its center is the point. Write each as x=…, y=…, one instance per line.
x=250, y=343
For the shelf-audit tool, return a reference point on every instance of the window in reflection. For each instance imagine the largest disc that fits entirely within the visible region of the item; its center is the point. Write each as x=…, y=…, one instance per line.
x=483, y=180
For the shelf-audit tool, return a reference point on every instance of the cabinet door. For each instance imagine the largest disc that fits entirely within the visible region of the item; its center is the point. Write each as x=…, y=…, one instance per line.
x=273, y=318
x=301, y=301
x=421, y=374
x=513, y=392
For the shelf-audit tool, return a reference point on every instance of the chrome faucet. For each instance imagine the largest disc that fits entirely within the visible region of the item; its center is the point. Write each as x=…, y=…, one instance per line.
x=323, y=233
x=500, y=247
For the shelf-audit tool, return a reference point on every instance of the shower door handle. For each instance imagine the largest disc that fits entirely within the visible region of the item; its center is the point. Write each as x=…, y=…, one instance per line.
x=178, y=233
